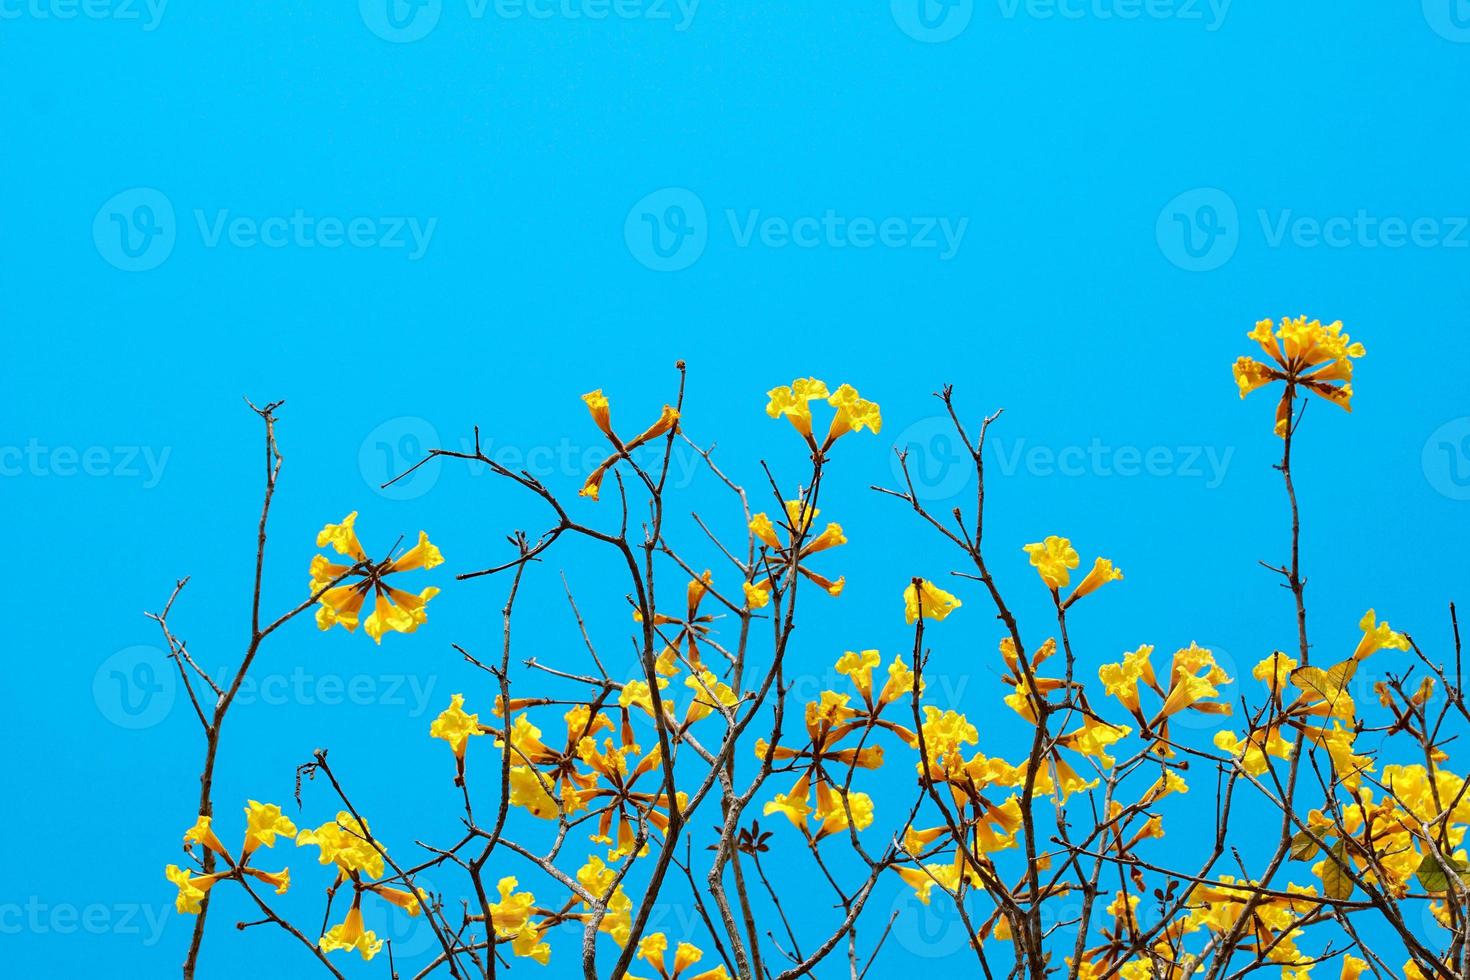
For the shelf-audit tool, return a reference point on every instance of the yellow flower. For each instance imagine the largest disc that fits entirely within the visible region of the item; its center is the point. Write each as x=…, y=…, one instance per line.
x=601, y=411
x=528, y=943
x=1253, y=751
x=455, y=726
x=423, y=555
x=192, y=887
x=928, y=601
x=757, y=596
x=1305, y=354
x=921, y=880
x=203, y=833
x=708, y=690
x=799, y=520
x=528, y=793
x=652, y=949
x=637, y=694
x=1352, y=967
x=900, y=682
x=279, y=880
x=263, y=821
x=597, y=404
x=858, y=667
x=410, y=902
x=1093, y=739
x=350, y=935
x=1121, y=680
x=794, y=806
x=832, y=812
x=344, y=842
x=1102, y=573
x=830, y=538
x=1052, y=558
x=1377, y=636
x=512, y=918
x=597, y=878
x=794, y=402
x=394, y=609
x=854, y=414
x=343, y=538
x=1275, y=671
x=943, y=733
x=763, y=529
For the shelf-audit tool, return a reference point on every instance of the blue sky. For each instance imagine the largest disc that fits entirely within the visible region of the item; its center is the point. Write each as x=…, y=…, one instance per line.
x=410, y=221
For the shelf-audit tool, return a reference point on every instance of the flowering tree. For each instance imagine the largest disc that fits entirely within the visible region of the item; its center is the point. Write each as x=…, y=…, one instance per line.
x=1052, y=860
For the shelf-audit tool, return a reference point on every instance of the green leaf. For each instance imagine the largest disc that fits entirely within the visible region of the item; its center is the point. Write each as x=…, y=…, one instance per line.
x=1432, y=876
x=1335, y=881
x=1303, y=848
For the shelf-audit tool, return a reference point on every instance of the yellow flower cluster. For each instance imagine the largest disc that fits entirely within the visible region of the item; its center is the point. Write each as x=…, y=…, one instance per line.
x=341, y=604
x=1304, y=354
x=601, y=409
x=793, y=402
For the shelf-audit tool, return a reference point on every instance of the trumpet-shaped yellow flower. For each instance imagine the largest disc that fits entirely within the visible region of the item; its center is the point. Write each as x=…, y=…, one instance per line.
x=344, y=842
x=203, y=833
x=511, y=916
x=192, y=887
x=1053, y=558
x=653, y=948
x=423, y=555
x=1377, y=636
x=757, y=596
x=794, y=805
x=794, y=402
x=832, y=811
x=900, y=683
x=1121, y=680
x=1103, y=572
x=928, y=601
x=601, y=410
x=343, y=538
x=455, y=726
x=528, y=793
x=263, y=822
x=854, y=413
x=350, y=934
x=858, y=667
